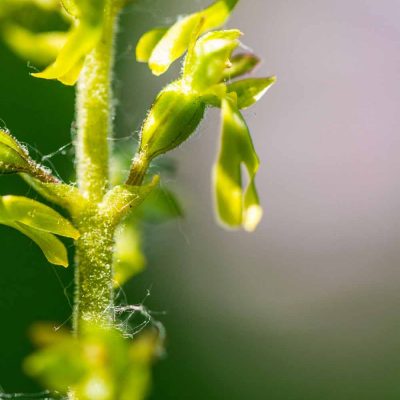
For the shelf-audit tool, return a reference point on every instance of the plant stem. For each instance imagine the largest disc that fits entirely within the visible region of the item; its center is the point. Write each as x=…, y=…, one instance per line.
x=94, y=296
x=94, y=110
x=94, y=249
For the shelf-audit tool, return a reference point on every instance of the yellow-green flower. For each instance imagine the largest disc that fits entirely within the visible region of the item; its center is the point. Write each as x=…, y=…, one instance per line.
x=88, y=16
x=34, y=29
x=162, y=46
x=205, y=81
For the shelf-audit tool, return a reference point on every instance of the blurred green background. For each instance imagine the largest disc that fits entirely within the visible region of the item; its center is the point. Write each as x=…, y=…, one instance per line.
x=308, y=306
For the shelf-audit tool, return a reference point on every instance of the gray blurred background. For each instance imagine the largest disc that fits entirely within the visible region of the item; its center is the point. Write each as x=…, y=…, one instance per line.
x=306, y=308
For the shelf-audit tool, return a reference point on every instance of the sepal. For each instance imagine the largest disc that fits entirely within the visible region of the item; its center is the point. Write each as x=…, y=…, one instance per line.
x=206, y=62
x=240, y=64
x=249, y=91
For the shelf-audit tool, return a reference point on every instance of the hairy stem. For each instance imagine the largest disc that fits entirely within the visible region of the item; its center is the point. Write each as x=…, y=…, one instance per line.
x=93, y=278
x=94, y=249
x=94, y=109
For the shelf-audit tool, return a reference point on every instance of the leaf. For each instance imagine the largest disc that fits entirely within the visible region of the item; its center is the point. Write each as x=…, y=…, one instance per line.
x=240, y=64
x=236, y=206
x=66, y=196
x=206, y=62
x=161, y=205
x=35, y=215
x=249, y=91
x=129, y=259
x=177, y=38
x=53, y=249
x=39, y=223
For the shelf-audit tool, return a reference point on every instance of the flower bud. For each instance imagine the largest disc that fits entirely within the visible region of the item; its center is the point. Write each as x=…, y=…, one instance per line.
x=13, y=157
x=174, y=116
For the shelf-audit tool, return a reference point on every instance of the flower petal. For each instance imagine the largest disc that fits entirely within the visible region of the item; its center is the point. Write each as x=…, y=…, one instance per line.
x=68, y=64
x=236, y=206
x=175, y=41
x=249, y=91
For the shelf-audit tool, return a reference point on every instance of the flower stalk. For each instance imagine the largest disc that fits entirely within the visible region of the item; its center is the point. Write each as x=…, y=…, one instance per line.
x=94, y=249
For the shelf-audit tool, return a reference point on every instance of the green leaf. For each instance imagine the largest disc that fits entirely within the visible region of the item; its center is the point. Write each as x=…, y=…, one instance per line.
x=249, y=91
x=240, y=64
x=177, y=38
x=129, y=259
x=53, y=249
x=66, y=196
x=35, y=215
x=39, y=223
x=236, y=206
x=206, y=62
x=162, y=205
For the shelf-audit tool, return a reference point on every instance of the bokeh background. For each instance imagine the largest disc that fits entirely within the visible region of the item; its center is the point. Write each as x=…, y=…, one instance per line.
x=308, y=307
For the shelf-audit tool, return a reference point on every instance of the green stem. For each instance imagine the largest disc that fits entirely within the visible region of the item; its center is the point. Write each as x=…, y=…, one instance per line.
x=93, y=276
x=94, y=109
x=138, y=170
x=94, y=249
